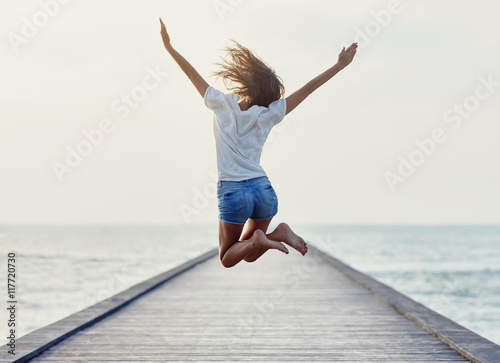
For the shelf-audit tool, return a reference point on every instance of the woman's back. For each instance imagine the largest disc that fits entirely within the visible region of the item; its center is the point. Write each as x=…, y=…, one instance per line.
x=240, y=135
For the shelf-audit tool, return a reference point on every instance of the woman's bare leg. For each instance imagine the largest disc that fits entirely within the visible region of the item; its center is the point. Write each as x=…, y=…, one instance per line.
x=250, y=227
x=282, y=233
x=232, y=250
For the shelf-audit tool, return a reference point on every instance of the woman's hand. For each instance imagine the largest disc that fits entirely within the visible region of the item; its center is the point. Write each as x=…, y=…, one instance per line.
x=198, y=81
x=346, y=55
x=164, y=35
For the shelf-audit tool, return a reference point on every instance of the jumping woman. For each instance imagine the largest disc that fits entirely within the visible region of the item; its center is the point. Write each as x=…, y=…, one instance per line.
x=242, y=121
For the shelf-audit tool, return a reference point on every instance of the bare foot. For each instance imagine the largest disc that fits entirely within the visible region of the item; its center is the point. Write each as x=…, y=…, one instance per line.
x=261, y=240
x=290, y=238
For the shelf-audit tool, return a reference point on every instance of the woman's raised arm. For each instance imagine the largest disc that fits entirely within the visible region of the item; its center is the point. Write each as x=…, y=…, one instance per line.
x=345, y=58
x=198, y=81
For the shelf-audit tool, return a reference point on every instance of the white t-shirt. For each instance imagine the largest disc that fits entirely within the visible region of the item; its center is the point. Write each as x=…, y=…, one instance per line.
x=240, y=135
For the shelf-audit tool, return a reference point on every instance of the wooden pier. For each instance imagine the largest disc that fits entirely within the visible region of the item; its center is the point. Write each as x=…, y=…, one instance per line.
x=281, y=308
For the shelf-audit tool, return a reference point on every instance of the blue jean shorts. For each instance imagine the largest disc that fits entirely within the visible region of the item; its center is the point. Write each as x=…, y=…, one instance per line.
x=253, y=198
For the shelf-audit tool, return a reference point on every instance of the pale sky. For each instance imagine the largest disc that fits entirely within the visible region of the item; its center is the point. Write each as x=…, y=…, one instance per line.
x=424, y=70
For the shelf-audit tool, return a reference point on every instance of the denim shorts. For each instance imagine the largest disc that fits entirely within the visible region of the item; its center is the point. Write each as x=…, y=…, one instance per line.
x=253, y=198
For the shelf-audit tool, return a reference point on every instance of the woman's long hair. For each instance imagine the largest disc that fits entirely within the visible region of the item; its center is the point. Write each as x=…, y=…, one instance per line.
x=249, y=77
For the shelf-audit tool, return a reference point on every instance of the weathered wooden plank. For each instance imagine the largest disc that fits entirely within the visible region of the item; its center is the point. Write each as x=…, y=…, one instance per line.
x=64, y=328
x=280, y=308
x=471, y=345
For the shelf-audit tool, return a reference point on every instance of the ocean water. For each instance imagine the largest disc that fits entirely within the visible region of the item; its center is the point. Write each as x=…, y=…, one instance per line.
x=452, y=269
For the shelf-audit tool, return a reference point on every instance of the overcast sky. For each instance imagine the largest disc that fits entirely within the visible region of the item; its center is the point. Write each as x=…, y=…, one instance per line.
x=99, y=125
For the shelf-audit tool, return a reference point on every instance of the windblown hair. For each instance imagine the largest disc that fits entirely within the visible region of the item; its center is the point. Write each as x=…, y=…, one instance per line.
x=249, y=77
